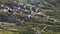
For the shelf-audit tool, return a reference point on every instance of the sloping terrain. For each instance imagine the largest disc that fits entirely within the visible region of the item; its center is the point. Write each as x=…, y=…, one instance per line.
x=19, y=23
x=27, y=25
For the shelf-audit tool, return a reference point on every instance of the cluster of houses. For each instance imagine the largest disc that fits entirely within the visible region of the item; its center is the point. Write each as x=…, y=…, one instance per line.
x=32, y=10
x=21, y=7
x=29, y=9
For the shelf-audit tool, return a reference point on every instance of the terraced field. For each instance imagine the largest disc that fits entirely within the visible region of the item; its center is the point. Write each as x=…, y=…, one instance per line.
x=19, y=23
x=25, y=27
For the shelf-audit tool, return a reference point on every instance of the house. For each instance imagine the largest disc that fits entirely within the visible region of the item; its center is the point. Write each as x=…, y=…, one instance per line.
x=57, y=23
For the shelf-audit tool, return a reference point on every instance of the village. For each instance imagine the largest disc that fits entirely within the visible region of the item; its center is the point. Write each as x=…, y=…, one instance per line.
x=22, y=13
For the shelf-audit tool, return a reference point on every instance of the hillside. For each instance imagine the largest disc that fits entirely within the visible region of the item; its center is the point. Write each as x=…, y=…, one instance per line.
x=39, y=3
x=17, y=19
x=44, y=3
